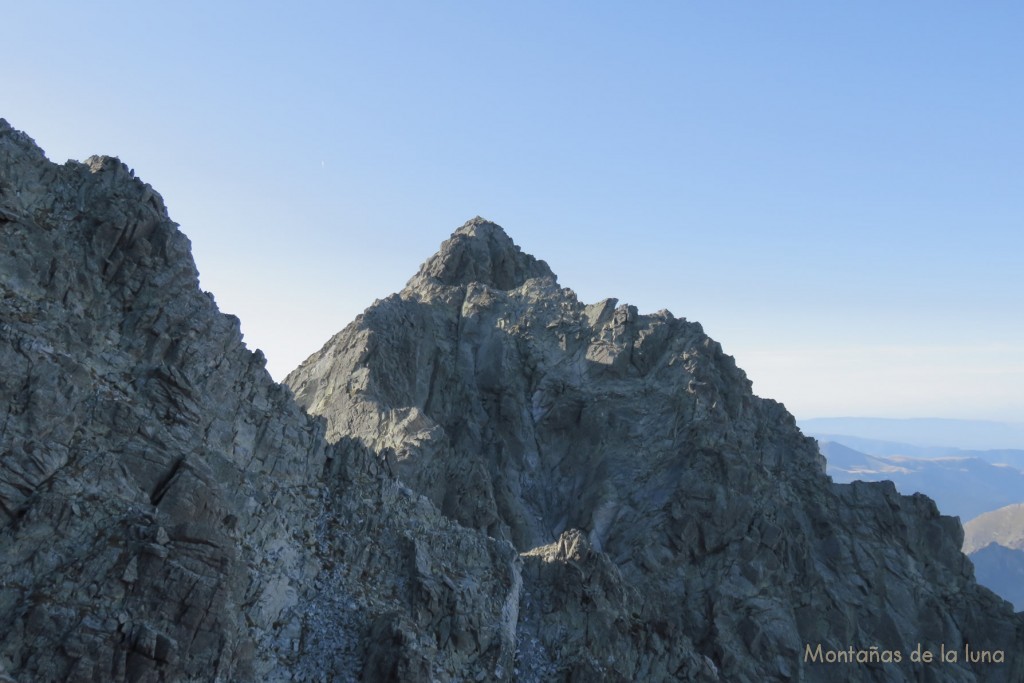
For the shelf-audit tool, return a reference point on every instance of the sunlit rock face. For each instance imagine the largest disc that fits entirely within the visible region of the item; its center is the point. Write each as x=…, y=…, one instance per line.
x=499, y=483
x=672, y=525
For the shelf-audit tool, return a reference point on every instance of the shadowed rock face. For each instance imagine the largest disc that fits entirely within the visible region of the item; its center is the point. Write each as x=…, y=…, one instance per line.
x=134, y=441
x=671, y=523
x=168, y=513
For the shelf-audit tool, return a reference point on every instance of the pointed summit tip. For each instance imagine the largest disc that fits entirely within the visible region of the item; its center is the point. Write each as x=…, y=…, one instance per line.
x=480, y=251
x=479, y=225
x=483, y=229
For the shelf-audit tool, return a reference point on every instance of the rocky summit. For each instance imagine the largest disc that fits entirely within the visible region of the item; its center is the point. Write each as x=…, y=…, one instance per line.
x=480, y=479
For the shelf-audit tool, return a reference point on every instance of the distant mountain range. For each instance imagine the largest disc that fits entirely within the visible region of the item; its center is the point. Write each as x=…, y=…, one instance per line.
x=877, y=447
x=924, y=432
x=1004, y=526
x=963, y=485
x=975, y=470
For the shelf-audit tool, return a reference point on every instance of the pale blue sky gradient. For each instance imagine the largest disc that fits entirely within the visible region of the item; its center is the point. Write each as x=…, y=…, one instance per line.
x=835, y=190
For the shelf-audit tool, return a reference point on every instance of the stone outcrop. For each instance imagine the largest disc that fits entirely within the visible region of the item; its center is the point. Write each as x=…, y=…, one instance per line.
x=672, y=525
x=500, y=483
x=167, y=512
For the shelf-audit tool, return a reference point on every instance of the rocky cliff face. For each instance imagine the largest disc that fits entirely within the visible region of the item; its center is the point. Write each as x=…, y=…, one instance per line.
x=505, y=484
x=671, y=524
x=167, y=513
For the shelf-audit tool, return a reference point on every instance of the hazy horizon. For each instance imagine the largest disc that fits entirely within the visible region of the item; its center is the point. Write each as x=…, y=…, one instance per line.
x=832, y=192
x=964, y=435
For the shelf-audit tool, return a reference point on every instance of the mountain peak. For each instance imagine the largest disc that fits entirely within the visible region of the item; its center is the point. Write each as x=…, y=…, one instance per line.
x=480, y=251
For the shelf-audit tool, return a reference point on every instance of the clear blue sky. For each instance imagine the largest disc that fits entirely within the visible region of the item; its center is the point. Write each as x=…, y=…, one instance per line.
x=835, y=190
